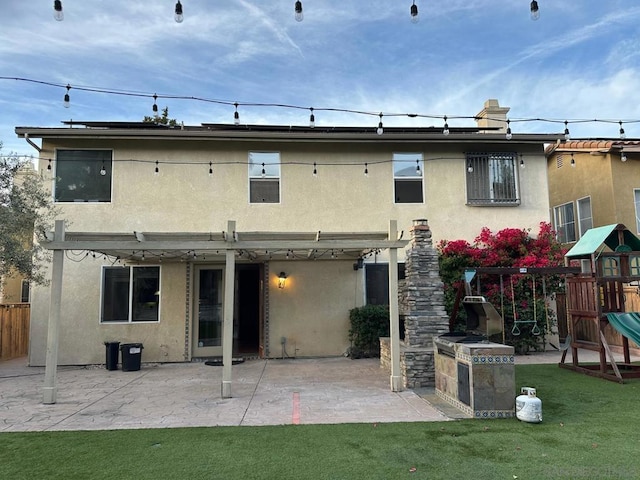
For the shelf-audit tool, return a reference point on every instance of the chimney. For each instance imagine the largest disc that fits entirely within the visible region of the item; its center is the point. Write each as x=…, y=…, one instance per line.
x=492, y=115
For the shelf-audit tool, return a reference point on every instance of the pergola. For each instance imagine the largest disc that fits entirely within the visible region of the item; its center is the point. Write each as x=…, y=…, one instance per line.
x=223, y=246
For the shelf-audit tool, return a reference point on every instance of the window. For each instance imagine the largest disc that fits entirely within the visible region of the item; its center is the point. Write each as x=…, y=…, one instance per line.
x=636, y=196
x=634, y=265
x=565, y=223
x=264, y=177
x=610, y=267
x=130, y=294
x=25, y=290
x=377, y=282
x=492, y=179
x=585, y=221
x=407, y=177
x=83, y=176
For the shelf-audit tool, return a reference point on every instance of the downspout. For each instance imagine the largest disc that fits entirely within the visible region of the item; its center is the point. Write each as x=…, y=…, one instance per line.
x=32, y=143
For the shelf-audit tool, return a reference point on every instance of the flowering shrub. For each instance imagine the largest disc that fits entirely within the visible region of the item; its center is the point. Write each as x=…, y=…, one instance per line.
x=514, y=296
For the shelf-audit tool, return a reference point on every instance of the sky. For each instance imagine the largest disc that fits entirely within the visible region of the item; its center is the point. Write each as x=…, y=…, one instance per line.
x=579, y=61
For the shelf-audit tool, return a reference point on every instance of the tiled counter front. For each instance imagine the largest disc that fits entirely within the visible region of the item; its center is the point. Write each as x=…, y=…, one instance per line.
x=477, y=378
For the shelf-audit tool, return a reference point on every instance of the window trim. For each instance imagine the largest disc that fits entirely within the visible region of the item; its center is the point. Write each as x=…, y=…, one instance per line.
x=636, y=202
x=556, y=226
x=55, y=175
x=409, y=157
x=267, y=176
x=579, y=218
x=129, y=320
x=470, y=157
x=25, y=284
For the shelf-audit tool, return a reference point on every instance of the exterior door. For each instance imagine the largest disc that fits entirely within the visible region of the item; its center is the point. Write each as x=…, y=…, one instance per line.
x=208, y=312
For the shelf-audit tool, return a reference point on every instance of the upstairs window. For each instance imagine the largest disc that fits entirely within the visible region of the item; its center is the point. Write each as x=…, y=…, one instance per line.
x=565, y=223
x=264, y=177
x=585, y=220
x=83, y=176
x=408, y=169
x=492, y=179
x=130, y=294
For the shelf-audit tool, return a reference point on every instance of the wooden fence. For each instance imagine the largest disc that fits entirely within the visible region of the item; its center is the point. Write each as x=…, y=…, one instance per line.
x=14, y=330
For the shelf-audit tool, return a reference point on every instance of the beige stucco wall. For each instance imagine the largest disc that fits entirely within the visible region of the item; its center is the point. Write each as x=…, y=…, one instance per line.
x=11, y=288
x=312, y=313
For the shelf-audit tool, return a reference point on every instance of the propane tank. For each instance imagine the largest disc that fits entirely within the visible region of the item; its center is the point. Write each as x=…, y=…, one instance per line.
x=528, y=406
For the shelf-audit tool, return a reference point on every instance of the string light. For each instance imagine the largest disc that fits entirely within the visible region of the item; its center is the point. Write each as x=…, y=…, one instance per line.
x=155, y=105
x=236, y=115
x=567, y=135
x=380, y=129
x=312, y=119
x=49, y=165
x=535, y=11
x=103, y=171
x=445, y=129
x=521, y=161
x=622, y=134
x=299, y=16
x=211, y=169
x=157, y=170
x=67, y=99
x=58, y=14
x=315, y=170
x=264, y=172
x=509, y=135
x=418, y=171
x=414, y=13
x=469, y=168
x=623, y=156
x=178, y=17
x=573, y=160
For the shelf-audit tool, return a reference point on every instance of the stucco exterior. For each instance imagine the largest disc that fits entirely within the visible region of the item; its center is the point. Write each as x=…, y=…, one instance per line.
x=312, y=311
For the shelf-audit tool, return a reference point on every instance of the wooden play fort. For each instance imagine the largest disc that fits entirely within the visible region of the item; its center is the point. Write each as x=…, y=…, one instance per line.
x=609, y=257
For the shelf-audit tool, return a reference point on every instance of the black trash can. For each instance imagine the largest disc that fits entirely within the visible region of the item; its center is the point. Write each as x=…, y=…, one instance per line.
x=131, y=356
x=112, y=352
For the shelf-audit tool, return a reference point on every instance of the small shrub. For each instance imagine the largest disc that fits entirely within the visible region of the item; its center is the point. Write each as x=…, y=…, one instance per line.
x=368, y=324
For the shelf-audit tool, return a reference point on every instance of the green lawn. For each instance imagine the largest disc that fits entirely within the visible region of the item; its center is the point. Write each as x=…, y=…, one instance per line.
x=591, y=430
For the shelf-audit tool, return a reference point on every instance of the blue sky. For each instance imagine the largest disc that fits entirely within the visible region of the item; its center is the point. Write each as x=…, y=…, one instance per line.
x=580, y=60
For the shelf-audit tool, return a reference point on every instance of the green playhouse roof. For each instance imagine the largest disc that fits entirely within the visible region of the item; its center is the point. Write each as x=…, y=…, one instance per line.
x=594, y=238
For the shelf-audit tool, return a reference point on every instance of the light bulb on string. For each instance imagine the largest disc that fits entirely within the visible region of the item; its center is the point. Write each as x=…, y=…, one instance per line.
x=103, y=171
x=155, y=105
x=535, y=11
x=58, y=14
x=366, y=169
x=299, y=16
x=567, y=135
x=67, y=98
x=312, y=119
x=49, y=165
x=521, y=161
x=469, y=168
x=179, y=16
x=418, y=171
x=573, y=160
x=622, y=134
x=157, y=169
x=414, y=13
x=315, y=170
x=509, y=135
x=380, y=129
x=211, y=169
x=445, y=129
x=264, y=172
x=236, y=115
x=623, y=156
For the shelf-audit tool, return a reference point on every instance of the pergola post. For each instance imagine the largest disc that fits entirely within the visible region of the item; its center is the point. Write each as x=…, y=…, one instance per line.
x=227, y=329
x=394, y=320
x=50, y=389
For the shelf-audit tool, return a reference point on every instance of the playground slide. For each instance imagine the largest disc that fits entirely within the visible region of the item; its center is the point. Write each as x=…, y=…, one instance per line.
x=628, y=324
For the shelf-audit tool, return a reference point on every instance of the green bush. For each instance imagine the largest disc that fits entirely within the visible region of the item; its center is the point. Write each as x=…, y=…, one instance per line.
x=368, y=324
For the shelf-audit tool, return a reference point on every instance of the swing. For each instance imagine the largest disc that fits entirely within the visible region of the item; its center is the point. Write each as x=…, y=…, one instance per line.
x=515, y=330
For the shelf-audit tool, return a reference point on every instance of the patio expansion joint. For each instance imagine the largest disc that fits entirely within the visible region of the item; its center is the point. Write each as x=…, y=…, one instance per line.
x=95, y=401
x=253, y=394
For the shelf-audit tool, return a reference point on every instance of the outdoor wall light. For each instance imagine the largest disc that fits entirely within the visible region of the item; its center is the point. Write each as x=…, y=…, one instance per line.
x=282, y=278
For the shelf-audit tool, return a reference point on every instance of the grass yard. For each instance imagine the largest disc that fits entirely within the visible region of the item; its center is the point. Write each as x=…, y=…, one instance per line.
x=590, y=430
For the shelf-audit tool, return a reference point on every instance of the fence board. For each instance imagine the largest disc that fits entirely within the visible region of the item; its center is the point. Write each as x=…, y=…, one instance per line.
x=14, y=330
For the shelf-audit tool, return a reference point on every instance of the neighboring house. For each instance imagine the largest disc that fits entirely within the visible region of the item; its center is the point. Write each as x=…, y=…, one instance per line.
x=159, y=213
x=14, y=289
x=593, y=183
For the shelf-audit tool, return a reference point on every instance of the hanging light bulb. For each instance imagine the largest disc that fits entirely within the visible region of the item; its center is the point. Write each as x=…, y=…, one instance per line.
x=418, y=171
x=157, y=170
x=49, y=165
x=622, y=134
x=380, y=130
x=567, y=135
x=535, y=11
x=521, y=161
x=366, y=169
x=67, y=99
x=469, y=168
x=623, y=156
x=414, y=13
x=236, y=115
x=509, y=135
x=58, y=14
x=312, y=119
x=315, y=170
x=298, y=9
x=445, y=130
x=573, y=160
x=264, y=172
x=179, y=17
x=211, y=169
x=155, y=105
x=103, y=171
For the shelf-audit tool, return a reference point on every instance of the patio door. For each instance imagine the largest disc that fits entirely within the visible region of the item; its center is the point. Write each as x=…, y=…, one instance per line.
x=208, y=312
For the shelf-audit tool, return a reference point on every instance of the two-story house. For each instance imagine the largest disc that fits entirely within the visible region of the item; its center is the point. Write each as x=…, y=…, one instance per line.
x=305, y=217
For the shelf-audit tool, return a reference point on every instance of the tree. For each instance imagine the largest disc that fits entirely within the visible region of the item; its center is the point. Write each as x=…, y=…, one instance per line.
x=161, y=119
x=25, y=208
x=510, y=247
